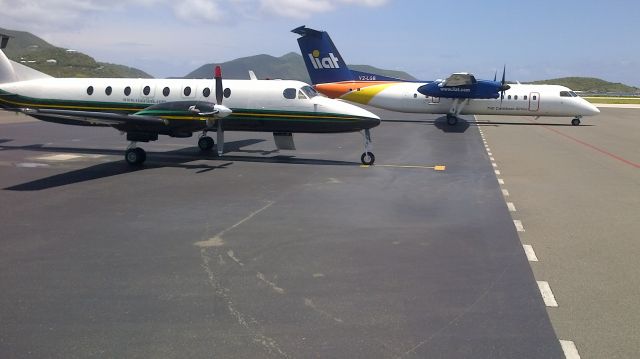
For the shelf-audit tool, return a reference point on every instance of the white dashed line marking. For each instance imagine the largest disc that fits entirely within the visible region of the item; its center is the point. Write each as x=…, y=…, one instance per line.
x=505, y=192
x=492, y=159
x=59, y=157
x=547, y=295
x=31, y=165
x=511, y=206
x=500, y=180
x=495, y=165
x=569, y=349
x=531, y=255
x=497, y=172
x=518, y=224
x=490, y=154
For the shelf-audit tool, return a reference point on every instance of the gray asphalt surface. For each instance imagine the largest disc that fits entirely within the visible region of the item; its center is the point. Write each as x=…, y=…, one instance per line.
x=577, y=192
x=262, y=254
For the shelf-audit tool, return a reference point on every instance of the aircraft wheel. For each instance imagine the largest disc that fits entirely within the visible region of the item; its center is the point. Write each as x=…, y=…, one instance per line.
x=575, y=122
x=205, y=143
x=135, y=156
x=452, y=120
x=367, y=158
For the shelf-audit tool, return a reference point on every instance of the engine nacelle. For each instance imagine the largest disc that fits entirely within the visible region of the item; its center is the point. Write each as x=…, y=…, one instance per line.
x=481, y=89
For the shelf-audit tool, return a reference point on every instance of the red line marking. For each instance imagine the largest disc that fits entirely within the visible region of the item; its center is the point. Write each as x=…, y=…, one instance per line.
x=623, y=160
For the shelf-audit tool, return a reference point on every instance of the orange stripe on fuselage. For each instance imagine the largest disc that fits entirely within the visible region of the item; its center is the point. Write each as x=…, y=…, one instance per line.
x=337, y=89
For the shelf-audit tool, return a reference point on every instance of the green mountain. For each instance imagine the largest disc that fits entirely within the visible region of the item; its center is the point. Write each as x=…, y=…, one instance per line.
x=290, y=66
x=40, y=55
x=590, y=84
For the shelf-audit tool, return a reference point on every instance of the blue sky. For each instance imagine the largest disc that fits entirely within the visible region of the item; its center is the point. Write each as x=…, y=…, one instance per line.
x=429, y=39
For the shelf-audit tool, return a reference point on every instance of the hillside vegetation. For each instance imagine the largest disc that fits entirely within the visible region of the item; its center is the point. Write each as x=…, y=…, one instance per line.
x=290, y=66
x=590, y=84
x=40, y=55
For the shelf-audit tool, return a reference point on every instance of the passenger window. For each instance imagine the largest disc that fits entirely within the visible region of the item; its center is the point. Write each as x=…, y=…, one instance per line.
x=108, y=90
x=127, y=91
x=535, y=97
x=187, y=91
x=525, y=97
x=166, y=91
x=146, y=90
x=515, y=97
x=227, y=92
x=289, y=93
x=206, y=92
x=415, y=95
x=90, y=90
x=509, y=97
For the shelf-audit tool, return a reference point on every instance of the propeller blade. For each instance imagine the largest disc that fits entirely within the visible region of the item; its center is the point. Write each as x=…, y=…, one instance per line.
x=495, y=75
x=504, y=71
x=218, y=77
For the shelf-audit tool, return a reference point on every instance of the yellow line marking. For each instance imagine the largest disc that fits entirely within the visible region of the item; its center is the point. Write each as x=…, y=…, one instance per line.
x=435, y=168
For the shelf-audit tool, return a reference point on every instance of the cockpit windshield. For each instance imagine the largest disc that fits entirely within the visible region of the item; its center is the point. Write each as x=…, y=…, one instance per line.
x=568, y=94
x=309, y=91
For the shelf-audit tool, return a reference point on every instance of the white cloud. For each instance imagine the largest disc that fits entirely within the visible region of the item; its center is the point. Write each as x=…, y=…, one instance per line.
x=298, y=9
x=58, y=14
x=302, y=9
x=197, y=10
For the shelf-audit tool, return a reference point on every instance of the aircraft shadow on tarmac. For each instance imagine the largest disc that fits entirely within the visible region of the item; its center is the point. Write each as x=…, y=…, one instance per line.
x=463, y=124
x=177, y=159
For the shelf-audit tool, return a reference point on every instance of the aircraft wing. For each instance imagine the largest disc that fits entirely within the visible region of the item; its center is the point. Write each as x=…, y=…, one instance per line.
x=459, y=79
x=97, y=118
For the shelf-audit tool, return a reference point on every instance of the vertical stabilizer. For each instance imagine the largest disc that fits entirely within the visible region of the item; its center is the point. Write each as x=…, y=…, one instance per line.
x=7, y=73
x=321, y=57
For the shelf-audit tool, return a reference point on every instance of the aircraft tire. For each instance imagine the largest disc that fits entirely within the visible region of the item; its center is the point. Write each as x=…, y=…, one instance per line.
x=367, y=158
x=135, y=156
x=452, y=120
x=575, y=122
x=205, y=143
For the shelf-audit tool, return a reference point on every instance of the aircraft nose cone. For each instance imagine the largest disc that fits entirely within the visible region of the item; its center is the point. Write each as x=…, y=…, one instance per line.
x=590, y=109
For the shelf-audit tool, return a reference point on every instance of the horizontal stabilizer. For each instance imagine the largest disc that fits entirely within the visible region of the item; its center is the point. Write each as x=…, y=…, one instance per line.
x=284, y=140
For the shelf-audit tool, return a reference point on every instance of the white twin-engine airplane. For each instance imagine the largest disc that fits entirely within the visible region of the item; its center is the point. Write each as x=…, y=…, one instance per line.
x=146, y=108
x=460, y=93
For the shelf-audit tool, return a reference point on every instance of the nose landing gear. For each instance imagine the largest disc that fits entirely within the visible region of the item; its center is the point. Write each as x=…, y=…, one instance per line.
x=367, y=157
x=576, y=121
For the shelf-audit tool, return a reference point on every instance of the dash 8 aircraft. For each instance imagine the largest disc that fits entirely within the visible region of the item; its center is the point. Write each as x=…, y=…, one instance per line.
x=460, y=93
x=146, y=108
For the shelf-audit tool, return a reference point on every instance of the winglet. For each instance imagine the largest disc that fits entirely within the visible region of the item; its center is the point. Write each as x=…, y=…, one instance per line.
x=252, y=75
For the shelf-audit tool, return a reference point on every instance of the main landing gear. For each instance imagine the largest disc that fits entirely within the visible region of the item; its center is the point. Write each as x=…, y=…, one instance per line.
x=205, y=143
x=135, y=155
x=576, y=121
x=452, y=120
x=367, y=157
x=454, y=111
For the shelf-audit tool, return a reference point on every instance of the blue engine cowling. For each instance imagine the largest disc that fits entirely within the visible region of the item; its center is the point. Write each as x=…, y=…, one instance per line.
x=480, y=89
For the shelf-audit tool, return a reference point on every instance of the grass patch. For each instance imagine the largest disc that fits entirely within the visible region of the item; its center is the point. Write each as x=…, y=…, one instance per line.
x=614, y=100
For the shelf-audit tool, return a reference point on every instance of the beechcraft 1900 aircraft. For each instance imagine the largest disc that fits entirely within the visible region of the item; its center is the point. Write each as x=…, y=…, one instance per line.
x=146, y=108
x=460, y=93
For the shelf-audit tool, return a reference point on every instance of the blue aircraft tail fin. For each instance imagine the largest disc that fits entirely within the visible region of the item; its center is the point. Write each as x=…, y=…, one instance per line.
x=321, y=57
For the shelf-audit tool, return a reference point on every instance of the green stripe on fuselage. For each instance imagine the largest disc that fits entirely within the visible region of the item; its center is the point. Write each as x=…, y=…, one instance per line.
x=18, y=101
